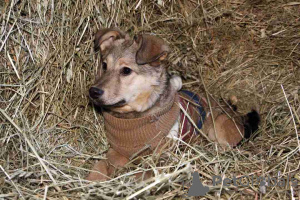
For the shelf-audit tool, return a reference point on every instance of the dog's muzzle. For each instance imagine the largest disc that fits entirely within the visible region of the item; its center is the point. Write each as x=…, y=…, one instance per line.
x=95, y=94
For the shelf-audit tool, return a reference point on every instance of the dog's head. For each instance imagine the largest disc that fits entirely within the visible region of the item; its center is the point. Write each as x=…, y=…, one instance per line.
x=131, y=77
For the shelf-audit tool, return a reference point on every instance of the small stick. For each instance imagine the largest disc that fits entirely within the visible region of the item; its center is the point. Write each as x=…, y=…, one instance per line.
x=292, y=117
x=45, y=193
x=4, y=41
x=13, y=65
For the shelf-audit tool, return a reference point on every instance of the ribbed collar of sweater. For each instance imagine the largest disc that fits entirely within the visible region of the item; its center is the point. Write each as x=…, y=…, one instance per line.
x=141, y=135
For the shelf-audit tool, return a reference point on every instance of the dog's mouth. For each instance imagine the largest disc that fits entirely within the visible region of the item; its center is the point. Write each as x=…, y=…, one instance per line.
x=108, y=106
x=118, y=104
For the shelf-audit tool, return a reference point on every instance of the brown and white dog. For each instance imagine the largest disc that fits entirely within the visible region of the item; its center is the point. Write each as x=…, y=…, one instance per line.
x=143, y=107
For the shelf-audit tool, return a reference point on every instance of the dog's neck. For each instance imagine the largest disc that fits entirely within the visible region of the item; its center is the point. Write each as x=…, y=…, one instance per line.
x=164, y=95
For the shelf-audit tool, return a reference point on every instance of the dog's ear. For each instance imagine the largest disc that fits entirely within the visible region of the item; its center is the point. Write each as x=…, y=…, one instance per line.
x=152, y=50
x=104, y=38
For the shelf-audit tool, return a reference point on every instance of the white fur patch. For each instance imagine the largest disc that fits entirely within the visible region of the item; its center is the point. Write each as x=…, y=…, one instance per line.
x=174, y=132
x=137, y=86
x=176, y=82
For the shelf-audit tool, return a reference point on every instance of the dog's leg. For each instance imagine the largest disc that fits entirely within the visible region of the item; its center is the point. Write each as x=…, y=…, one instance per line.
x=102, y=174
x=106, y=168
x=176, y=82
x=116, y=160
x=227, y=131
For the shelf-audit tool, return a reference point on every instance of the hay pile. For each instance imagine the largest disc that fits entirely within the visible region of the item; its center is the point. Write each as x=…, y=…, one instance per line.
x=50, y=135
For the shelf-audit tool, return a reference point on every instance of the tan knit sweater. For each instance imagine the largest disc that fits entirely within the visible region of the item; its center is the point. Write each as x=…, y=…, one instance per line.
x=141, y=135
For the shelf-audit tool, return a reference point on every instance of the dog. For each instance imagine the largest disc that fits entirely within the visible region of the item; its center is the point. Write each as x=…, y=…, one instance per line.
x=143, y=107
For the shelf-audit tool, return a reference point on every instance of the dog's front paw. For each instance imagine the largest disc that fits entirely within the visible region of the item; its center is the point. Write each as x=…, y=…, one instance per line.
x=176, y=82
x=99, y=173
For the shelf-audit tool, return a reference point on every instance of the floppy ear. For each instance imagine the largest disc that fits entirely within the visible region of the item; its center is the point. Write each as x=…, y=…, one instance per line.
x=152, y=50
x=104, y=38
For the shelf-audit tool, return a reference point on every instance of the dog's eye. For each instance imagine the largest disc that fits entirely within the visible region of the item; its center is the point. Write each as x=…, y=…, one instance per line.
x=104, y=66
x=126, y=71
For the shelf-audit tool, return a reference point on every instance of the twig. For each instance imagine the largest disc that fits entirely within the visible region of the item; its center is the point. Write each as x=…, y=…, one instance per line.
x=292, y=117
x=13, y=65
x=7, y=35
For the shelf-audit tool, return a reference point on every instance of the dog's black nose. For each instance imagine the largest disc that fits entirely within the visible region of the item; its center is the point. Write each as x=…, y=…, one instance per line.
x=95, y=92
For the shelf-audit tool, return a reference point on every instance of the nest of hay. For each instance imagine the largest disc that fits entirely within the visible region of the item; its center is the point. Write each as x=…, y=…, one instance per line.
x=50, y=135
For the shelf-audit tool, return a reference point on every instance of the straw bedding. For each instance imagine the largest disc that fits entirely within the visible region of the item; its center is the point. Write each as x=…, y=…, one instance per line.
x=50, y=135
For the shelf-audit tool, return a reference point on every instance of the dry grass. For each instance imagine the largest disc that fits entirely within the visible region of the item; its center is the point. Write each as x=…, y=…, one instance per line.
x=50, y=136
